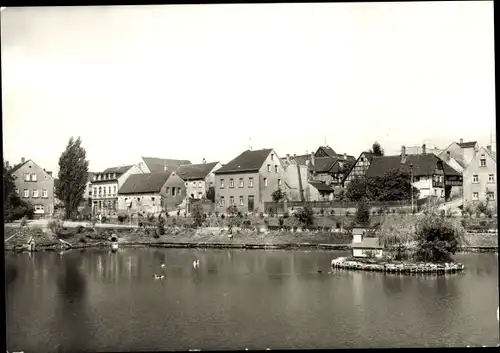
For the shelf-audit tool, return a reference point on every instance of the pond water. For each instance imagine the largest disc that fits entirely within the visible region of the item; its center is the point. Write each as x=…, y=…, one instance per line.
x=95, y=300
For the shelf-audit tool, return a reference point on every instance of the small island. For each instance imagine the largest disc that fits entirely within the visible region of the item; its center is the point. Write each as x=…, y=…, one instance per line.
x=425, y=246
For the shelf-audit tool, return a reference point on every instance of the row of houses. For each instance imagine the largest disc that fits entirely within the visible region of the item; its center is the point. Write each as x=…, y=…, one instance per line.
x=462, y=171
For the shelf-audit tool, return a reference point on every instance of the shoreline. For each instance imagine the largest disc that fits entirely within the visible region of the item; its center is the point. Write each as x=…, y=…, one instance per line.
x=215, y=245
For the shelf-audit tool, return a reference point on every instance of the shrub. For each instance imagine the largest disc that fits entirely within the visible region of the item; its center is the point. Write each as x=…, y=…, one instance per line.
x=347, y=213
x=380, y=211
x=271, y=212
x=222, y=216
x=216, y=214
x=281, y=221
x=437, y=238
x=322, y=212
x=55, y=225
x=122, y=217
x=261, y=214
x=239, y=214
x=83, y=240
x=24, y=221
x=306, y=216
x=232, y=210
x=481, y=208
x=151, y=217
x=197, y=213
x=362, y=214
x=332, y=212
x=178, y=212
x=79, y=229
x=160, y=225
x=104, y=219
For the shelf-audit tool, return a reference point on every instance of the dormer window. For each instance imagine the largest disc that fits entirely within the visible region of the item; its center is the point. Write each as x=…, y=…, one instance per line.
x=482, y=162
x=114, y=175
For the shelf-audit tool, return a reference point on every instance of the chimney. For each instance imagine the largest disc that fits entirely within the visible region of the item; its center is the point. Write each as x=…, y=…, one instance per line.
x=461, y=140
x=22, y=160
x=448, y=156
x=165, y=168
x=294, y=155
x=488, y=148
x=312, y=159
x=49, y=173
x=204, y=161
x=424, y=150
x=403, y=154
x=7, y=164
x=288, y=158
x=345, y=156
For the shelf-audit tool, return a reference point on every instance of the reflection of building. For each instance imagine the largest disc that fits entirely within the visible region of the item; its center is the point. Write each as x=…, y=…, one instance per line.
x=480, y=177
x=249, y=180
x=144, y=192
x=431, y=175
x=198, y=178
x=105, y=188
x=35, y=185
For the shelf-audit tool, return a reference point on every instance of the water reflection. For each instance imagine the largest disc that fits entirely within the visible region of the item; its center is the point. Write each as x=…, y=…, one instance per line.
x=273, y=298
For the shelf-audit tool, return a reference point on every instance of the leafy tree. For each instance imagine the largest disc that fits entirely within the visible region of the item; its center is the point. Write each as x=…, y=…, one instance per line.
x=197, y=213
x=73, y=168
x=14, y=207
x=211, y=194
x=357, y=189
x=377, y=149
x=278, y=195
x=362, y=215
x=437, y=238
x=306, y=216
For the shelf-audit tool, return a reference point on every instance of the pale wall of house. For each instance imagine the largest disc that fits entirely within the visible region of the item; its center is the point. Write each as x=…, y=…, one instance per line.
x=469, y=154
x=274, y=179
x=147, y=203
x=174, y=201
x=134, y=170
x=43, y=182
x=199, y=188
x=292, y=178
x=483, y=186
x=360, y=168
x=426, y=188
x=226, y=192
x=143, y=167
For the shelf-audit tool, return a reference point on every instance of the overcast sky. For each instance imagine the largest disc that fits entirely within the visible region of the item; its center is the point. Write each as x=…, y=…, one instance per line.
x=197, y=81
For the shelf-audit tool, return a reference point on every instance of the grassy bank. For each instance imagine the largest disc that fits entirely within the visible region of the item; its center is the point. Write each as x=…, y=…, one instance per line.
x=84, y=237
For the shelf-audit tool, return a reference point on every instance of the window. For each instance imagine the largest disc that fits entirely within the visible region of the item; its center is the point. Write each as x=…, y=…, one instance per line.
x=442, y=193
x=178, y=191
x=194, y=184
x=186, y=183
x=200, y=195
x=241, y=183
x=231, y=200
x=26, y=193
x=416, y=179
x=490, y=195
x=152, y=198
x=17, y=191
x=250, y=182
x=138, y=199
x=199, y=184
x=222, y=183
x=276, y=169
x=268, y=167
x=35, y=192
x=272, y=156
x=475, y=196
x=231, y=183
x=44, y=193
x=279, y=182
x=482, y=162
x=241, y=201
x=39, y=209
x=173, y=191
x=222, y=202
x=109, y=190
x=265, y=181
x=491, y=178
x=27, y=177
x=362, y=159
x=90, y=192
x=114, y=190
x=435, y=191
x=33, y=177
x=95, y=191
x=475, y=179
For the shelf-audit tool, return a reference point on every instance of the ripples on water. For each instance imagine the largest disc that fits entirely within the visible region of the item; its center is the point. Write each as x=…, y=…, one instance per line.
x=98, y=300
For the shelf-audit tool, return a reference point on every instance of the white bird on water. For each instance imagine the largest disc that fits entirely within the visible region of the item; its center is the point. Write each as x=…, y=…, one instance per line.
x=159, y=277
x=196, y=263
x=162, y=265
x=114, y=246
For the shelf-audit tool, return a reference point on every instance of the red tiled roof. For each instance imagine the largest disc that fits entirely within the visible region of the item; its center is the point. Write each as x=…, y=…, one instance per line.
x=247, y=161
x=144, y=183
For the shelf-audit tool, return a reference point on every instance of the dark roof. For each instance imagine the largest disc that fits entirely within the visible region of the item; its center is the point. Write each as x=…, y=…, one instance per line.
x=144, y=183
x=423, y=164
x=324, y=164
x=18, y=166
x=328, y=150
x=320, y=186
x=117, y=170
x=368, y=243
x=301, y=159
x=195, y=171
x=247, y=161
x=467, y=144
x=368, y=155
x=158, y=164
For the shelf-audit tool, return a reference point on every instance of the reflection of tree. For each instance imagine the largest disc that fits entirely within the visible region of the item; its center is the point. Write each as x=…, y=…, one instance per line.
x=72, y=286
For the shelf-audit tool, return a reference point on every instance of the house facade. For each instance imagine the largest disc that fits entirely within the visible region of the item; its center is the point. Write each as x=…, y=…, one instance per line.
x=198, y=178
x=105, y=186
x=431, y=175
x=296, y=177
x=318, y=191
x=144, y=193
x=480, y=178
x=249, y=180
x=175, y=194
x=35, y=185
x=359, y=168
